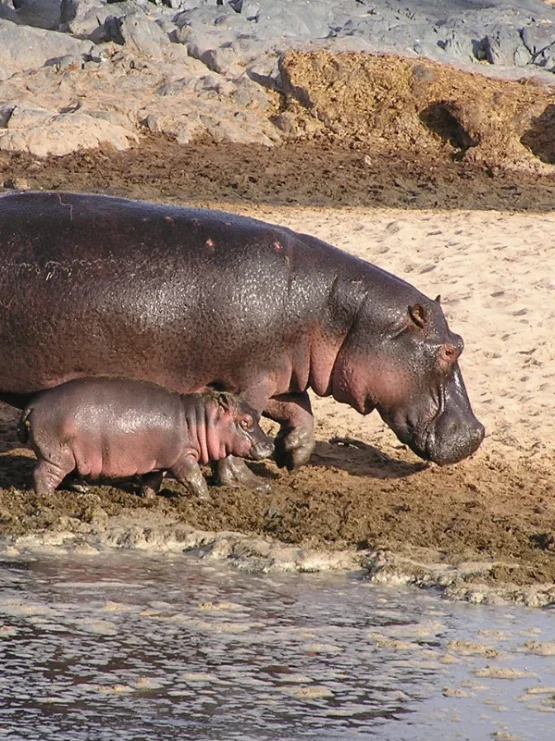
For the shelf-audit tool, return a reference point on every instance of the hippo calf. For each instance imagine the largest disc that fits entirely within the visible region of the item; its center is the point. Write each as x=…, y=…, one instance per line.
x=115, y=428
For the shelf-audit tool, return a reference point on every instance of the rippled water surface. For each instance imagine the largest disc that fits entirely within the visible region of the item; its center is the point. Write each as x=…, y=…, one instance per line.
x=126, y=646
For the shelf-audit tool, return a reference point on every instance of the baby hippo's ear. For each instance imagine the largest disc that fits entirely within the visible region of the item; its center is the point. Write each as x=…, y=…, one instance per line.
x=225, y=402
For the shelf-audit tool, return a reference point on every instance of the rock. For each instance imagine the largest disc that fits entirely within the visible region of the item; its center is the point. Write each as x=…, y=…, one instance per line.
x=7, y=13
x=39, y=13
x=143, y=35
x=266, y=72
x=310, y=19
x=42, y=132
x=462, y=47
x=546, y=58
x=248, y=9
x=504, y=45
x=222, y=60
x=23, y=48
x=536, y=38
x=205, y=16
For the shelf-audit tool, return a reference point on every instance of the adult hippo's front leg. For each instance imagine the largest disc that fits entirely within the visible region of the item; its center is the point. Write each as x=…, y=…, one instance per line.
x=294, y=442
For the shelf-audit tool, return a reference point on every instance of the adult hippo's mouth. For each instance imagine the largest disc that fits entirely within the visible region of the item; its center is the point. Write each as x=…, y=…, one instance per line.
x=450, y=435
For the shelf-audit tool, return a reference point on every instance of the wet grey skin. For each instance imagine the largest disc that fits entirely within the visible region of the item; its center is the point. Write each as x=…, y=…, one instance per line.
x=194, y=299
x=117, y=428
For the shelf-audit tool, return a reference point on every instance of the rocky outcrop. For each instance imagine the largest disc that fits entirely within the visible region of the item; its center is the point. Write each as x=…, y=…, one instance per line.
x=211, y=68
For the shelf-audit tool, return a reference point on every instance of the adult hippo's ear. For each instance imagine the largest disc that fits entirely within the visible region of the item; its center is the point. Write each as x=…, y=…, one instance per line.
x=419, y=315
x=437, y=299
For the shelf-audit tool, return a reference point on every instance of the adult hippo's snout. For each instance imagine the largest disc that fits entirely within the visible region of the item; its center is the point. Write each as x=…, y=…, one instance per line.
x=453, y=432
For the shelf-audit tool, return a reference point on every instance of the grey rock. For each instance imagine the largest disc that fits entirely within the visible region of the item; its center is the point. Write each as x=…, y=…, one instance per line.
x=222, y=60
x=42, y=132
x=85, y=18
x=266, y=72
x=7, y=12
x=250, y=95
x=308, y=19
x=6, y=110
x=504, y=45
x=38, y=13
x=68, y=63
x=214, y=86
x=546, y=58
x=139, y=33
x=248, y=9
x=207, y=15
x=463, y=47
x=197, y=42
x=537, y=37
x=24, y=48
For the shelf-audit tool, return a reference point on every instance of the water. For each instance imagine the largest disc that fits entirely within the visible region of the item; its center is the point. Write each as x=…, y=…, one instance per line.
x=131, y=646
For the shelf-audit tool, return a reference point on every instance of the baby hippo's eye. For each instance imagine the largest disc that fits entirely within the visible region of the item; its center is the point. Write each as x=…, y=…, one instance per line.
x=246, y=423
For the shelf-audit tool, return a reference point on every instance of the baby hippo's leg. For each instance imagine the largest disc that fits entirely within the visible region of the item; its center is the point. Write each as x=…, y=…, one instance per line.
x=188, y=473
x=151, y=483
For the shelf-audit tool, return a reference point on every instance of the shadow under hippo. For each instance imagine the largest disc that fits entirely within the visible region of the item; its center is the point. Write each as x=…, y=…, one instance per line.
x=194, y=299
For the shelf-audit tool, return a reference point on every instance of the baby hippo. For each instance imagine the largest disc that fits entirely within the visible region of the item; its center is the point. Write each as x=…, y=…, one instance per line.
x=115, y=427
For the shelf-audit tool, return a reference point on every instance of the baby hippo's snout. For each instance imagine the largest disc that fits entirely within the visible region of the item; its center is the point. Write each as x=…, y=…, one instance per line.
x=262, y=446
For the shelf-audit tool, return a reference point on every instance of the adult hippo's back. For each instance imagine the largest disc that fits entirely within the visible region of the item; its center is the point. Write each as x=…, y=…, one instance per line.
x=190, y=298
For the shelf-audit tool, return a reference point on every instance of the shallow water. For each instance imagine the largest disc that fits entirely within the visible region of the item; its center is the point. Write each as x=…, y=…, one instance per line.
x=131, y=646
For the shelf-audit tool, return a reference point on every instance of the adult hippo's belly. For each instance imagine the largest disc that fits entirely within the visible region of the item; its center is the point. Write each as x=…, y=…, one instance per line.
x=191, y=298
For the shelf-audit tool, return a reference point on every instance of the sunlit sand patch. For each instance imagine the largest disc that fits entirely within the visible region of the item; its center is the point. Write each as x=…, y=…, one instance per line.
x=539, y=648
x=467, y=648
x=110, y=606
x=309, y=693
x=114, y=689
x=456, y=692
x=200, y=677
x=322, y=648
x=496, y=672
x=382, y=641
x=147, y=683
x=215, y=606
x=97, y=627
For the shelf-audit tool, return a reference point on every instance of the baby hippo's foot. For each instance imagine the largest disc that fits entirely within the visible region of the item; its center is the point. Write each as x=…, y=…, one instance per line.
x=196, y=485
x=232, y=471
x=72, y=482
x=294, y=448
x=151, y=483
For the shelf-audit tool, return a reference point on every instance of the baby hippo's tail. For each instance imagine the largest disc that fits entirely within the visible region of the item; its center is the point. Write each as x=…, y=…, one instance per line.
x=23, y=426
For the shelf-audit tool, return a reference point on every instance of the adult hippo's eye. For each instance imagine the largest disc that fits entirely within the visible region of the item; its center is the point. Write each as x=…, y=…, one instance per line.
x=246, y=423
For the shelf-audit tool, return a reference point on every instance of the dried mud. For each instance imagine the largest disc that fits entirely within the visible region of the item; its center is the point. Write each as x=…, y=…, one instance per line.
x=351, y=495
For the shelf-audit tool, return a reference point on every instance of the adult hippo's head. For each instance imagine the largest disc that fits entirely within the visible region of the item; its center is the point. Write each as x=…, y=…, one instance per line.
x=403, y=361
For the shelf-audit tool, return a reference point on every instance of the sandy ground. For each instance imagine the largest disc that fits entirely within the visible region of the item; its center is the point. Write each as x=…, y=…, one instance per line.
x=496, y=275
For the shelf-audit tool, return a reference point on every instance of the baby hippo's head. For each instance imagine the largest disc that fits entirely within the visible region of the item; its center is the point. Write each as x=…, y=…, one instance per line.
x=236, y=427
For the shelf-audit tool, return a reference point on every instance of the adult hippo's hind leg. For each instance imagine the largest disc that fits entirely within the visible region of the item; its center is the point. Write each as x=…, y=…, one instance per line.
x=295, y=440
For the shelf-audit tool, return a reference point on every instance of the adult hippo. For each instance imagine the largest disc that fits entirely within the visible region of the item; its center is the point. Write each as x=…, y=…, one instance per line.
x=191, y=298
